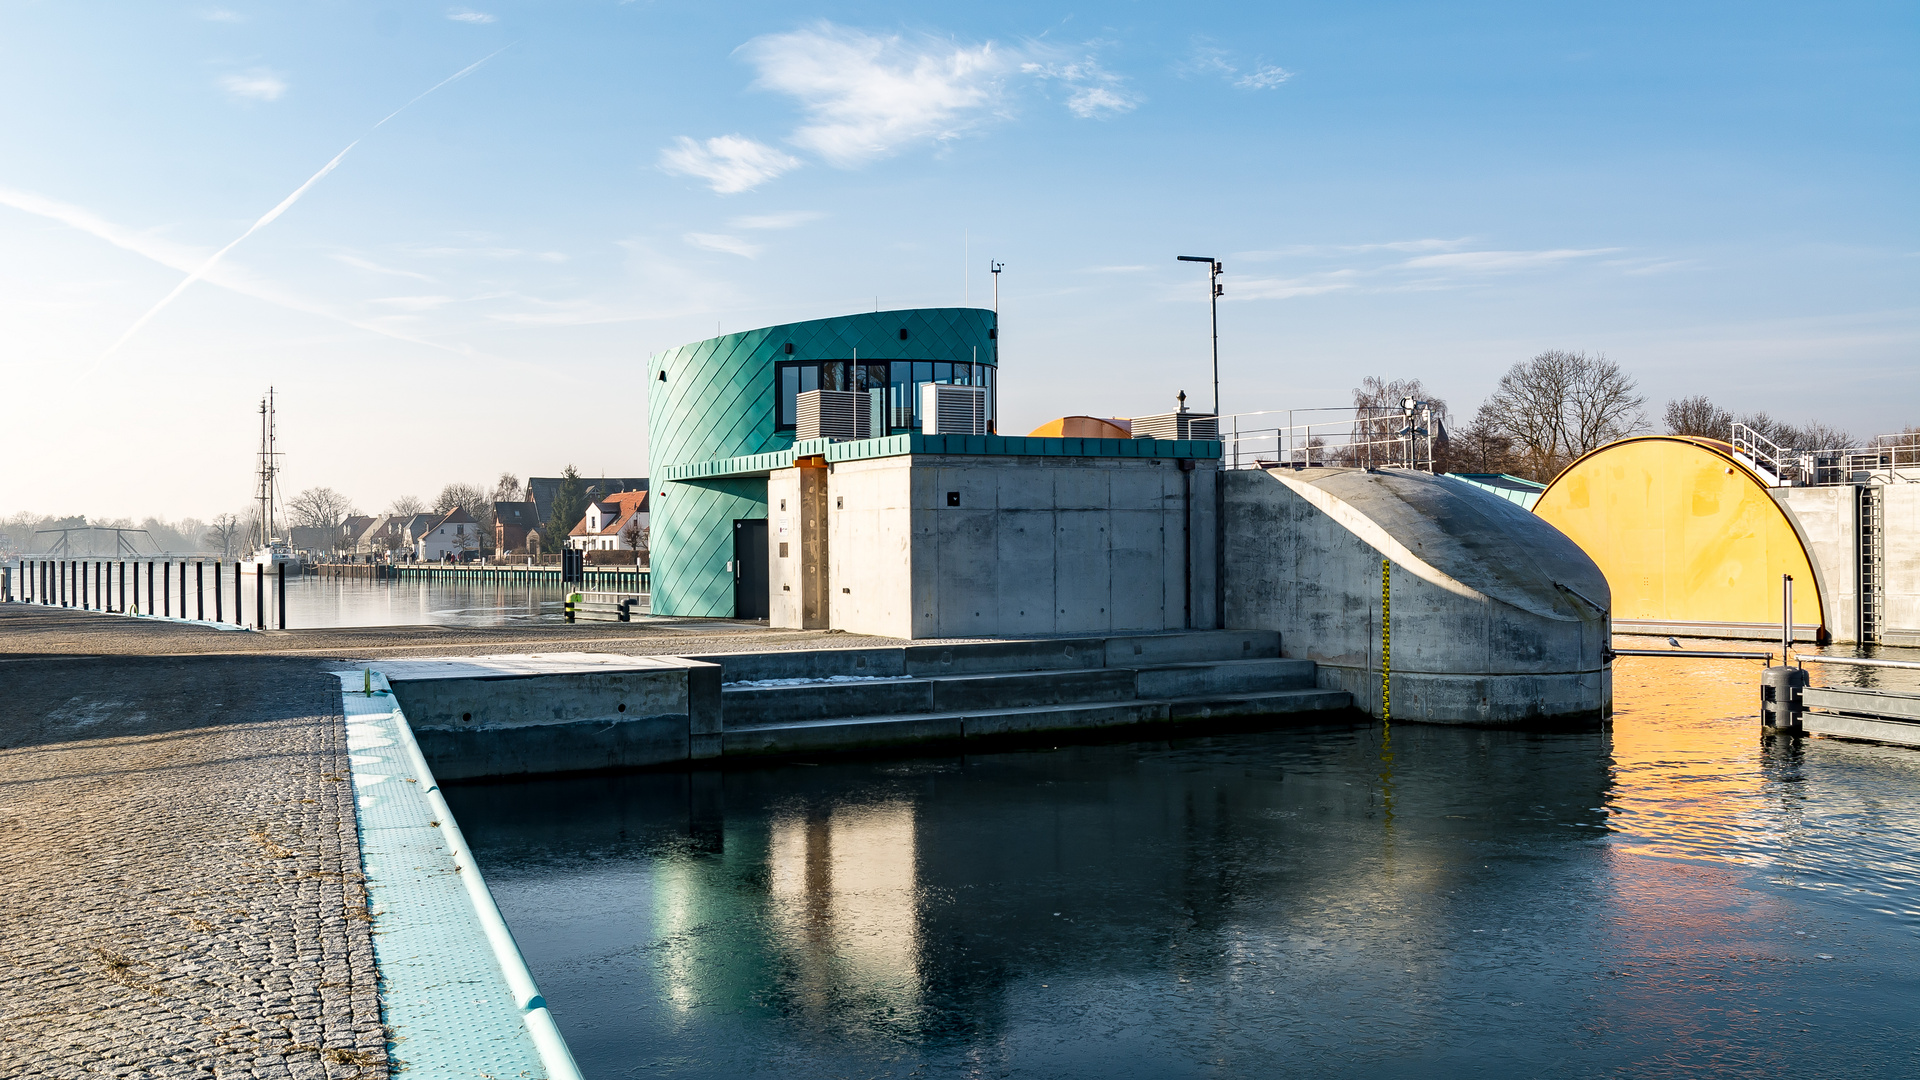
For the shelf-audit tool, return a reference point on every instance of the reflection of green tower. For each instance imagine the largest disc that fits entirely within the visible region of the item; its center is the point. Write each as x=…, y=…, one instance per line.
x=720, y=398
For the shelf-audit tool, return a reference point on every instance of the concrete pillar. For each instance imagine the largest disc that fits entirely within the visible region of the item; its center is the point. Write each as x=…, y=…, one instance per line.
x=814, y=600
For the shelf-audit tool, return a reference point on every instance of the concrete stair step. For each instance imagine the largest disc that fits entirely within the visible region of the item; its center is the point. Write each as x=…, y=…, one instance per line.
x=1272, y=703
x=1224, y=677
x=872, y=732
x=941, y=694
x=999, y=657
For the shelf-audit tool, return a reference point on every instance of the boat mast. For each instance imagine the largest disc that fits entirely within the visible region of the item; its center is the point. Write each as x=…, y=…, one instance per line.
x=273, y=463
x=260, y=539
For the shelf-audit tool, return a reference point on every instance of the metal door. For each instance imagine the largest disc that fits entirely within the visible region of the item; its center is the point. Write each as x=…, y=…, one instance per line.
x=750, y=600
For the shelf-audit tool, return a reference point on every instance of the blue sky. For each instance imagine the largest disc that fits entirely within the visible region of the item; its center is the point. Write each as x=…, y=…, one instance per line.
x=1719, y=197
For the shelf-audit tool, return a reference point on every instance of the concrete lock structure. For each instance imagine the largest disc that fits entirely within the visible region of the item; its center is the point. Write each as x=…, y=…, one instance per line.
x=1695, y=535
x=895, y=528
x=1468, y=608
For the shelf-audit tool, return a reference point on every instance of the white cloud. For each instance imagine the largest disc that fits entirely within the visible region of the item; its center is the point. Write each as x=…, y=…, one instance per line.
x=1263, y=77
x=1493, y=261
x=186, y=259
x=413, y=303
x=728, y=163
x=1311, y=250
x=1206, y=59
x=730, y=245
x=790, y=220
x=867, y=96
x=256, y=85
x=1097, y=92
x=375, y=268
x=469, y=17
x=1286, y=289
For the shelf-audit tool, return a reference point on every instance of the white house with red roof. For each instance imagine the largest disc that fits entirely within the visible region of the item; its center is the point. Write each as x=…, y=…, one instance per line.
x=613, y=523
x=450, y=536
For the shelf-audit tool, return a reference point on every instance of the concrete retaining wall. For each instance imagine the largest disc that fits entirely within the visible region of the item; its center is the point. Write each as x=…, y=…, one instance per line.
x=471, y=723
x=928, y=546
x=1825, y=519
x=1496, y=617
x=1900, y=520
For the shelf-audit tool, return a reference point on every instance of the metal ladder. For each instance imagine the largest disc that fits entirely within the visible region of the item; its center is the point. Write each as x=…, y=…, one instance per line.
x=1869, y=520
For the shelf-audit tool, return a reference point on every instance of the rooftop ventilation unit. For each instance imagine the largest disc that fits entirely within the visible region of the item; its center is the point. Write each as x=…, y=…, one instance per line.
x=1177, y=425
x=953, y=410
x=831, y=414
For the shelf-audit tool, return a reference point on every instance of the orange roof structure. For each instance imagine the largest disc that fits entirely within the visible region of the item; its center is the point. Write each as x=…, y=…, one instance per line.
x=1083, y=427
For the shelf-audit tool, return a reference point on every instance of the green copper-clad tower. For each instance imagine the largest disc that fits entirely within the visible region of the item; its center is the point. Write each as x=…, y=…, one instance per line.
x=732, y=396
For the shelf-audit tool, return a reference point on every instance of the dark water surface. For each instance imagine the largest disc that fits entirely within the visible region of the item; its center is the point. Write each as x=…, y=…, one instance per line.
x=1676, y=897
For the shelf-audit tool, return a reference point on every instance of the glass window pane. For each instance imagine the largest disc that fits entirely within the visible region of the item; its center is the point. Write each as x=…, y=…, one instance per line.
x=809, y=377
x=963, y=374
x=922, y=371
x=902, y=399
x=789, y=386
x=943, y=373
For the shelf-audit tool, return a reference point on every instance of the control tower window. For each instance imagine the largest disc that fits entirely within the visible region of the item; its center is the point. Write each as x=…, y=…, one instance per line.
x=900, y=379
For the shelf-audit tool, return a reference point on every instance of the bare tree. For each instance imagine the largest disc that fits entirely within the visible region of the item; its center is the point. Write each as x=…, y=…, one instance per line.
x=1379, y=415
x=634, y=533
x=1480, y=447
x=1560, y=405
x=508, y=489
x=1812, y=436
x=321, y=508
x=407, y=506
x=224, y=532
x=1699, y=417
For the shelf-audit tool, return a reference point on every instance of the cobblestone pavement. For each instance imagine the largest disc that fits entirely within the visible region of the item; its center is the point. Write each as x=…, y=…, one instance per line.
x=180, y=888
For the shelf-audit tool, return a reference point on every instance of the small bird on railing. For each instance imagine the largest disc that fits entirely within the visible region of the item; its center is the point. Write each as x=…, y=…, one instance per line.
x=1675, y=642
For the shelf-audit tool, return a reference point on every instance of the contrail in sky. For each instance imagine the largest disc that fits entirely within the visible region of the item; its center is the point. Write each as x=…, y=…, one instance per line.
x=201, y=271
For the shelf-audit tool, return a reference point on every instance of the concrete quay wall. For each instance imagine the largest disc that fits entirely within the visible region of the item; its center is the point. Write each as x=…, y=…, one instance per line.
x=941, y=546
x=1495, y=617
x=1827, y=520
x=1900, y=516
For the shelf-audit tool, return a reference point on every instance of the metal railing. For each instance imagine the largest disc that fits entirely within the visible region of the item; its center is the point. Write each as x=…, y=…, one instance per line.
x=1889, y=459
x=1366, y=437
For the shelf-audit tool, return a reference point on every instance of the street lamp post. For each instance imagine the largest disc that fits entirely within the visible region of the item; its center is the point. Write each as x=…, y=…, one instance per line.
x=1214, y=289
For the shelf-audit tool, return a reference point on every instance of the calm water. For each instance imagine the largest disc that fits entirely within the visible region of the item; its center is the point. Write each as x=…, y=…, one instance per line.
x=1677, y=897
x=314, y=601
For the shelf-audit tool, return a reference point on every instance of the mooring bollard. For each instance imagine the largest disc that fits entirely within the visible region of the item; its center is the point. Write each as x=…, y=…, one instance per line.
x=200, y=591
x=239, y=595
x=259, y=598
x=1780, y=700
x=280, y=602
x=572, y=599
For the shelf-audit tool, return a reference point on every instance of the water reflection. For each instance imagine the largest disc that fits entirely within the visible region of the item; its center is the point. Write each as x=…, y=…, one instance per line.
x=1696, y=781
x=1678, y=897
x=313, y=601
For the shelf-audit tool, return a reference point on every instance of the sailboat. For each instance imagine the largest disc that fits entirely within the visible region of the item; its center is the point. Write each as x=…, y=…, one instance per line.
x=270, y=551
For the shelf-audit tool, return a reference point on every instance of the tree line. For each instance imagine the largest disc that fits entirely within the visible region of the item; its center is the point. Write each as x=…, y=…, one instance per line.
x=1557, y=406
